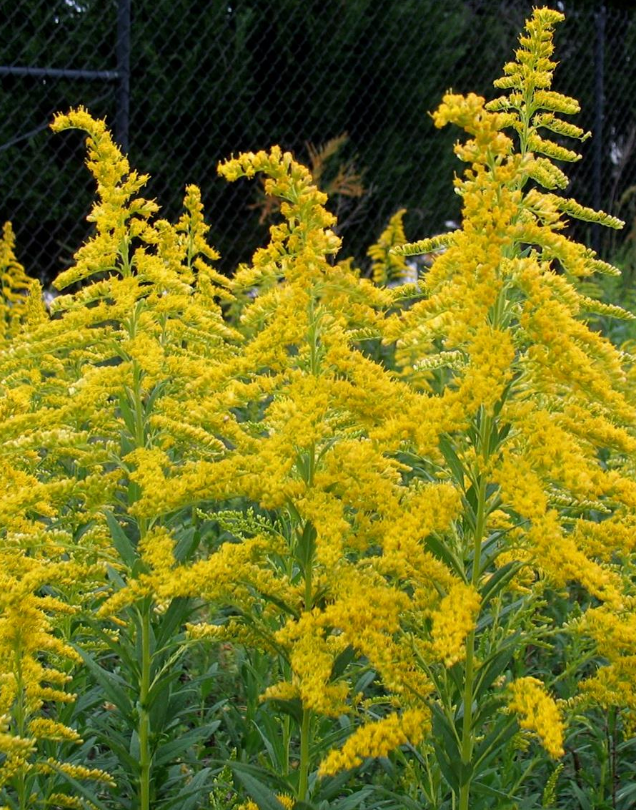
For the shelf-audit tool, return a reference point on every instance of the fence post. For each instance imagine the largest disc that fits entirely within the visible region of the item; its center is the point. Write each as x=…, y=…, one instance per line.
x=599, y=114
x=122, y=115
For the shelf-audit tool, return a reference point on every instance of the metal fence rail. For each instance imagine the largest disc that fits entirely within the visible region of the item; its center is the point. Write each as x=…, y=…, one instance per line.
x=345, y=83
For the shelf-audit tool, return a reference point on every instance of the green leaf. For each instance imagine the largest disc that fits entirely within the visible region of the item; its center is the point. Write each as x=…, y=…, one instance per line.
x=445, y=554
x=115, y=576
x=331, y=786
x=365, y=680
x=486, y=790
x=197, y=789
x=134, y=749
x=446, y=767
x=283, y=606
x=115, y=742
x=293, y=708
x=168, y=752
x=121, y=541
x=487, y=618
x=626, y=792
x=583, y=798
x=499, y=580
x=126, y=413
x=493, y=666
x=444, y=729
x=347, y=802
x=187, y=544
x=404, y=801
x=162, y=685
x=178, y=612
x=117, y=645
x=150, y=401
x=306, y=546
x=262, y=795
x=504, y=730
x=342, y=661
x=79, y=787
x=452, y=459
x=111, y=684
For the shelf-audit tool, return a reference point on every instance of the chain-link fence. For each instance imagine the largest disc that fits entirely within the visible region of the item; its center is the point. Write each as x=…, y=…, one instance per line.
x=345, y=84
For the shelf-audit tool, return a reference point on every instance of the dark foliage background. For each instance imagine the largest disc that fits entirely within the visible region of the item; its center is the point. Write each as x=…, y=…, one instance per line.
x=208, y=79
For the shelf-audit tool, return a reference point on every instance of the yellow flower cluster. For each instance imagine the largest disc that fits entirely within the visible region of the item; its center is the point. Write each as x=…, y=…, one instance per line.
x=34, y=660
x=507, y=278
x=453, y=620
x=615, y=635
x=377, y=739
x=387, y=265
x=538, y=713
x=18, y=292
x=287, y=801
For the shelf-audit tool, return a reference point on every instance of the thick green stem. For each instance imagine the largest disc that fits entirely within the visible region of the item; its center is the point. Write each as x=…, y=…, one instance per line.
x=305, y=732
x=145, y=759
x=468, y=737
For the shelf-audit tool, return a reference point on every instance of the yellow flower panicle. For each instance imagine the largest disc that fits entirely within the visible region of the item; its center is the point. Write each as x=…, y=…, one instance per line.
x=538, y=713
x=497, y=299
x=389, y=266
x=287, y=801
x=34, y=660
x=377, y=739
x=18, y=292
x=453, y=620
x=614, y=683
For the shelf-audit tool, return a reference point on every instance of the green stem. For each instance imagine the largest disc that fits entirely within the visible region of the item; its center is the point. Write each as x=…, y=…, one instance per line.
x=467, y=738
x=21, y=723
x=305, y=732
x=145, y=758
x=305, y=729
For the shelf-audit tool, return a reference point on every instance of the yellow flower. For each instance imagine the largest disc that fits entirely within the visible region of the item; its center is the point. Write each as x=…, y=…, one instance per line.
x=538, y=713
x=377, y=739
x=453, y=620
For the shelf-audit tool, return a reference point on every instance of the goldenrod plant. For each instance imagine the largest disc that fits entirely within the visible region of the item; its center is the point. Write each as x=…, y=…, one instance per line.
x=535, y=401
x=82, y=395
x=297, y=538
x=306, y=585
